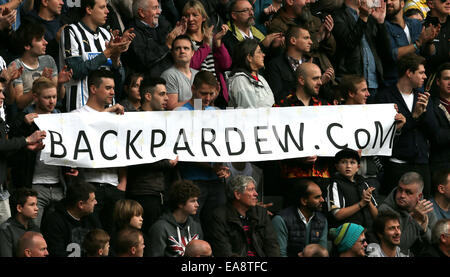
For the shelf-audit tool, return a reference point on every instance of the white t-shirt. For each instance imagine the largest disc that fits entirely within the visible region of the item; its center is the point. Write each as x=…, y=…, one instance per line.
x=45, y=174
x=409, y=100
x=99, y=175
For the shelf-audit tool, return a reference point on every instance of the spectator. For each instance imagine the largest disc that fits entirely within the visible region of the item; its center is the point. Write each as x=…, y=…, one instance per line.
x=303, y=224
x=440, y=146
x=420, y=5
x=198, y=248
x=439, y=14
x=247, y=88
x=128, y=213
x=170, y=235
x=361, y=40
x=31, y=244
x=280, y=72
x=110, y=183
x=241, y=26
x=416, y=216
x=410, y=147
x=48, y=180
x=210, y=53
x=441, y=198
x=314, y=250
x=48, y=14
x=350, y=198
x=262, y=9
x=133, y=101
x=415, y=14
x=297, y=12
x=130, y=243
x=348, y=240
x=72, y=219
x=234, y=226
x=387, y=228
x=308, y=78
x=147, y=183
x=85, y=46
x=32, y=48
x=439, y=241
x=96, y=243
x=354, y=91
x=10, y=146
x=180, y=76
x=21, y=221
x=152, y=32
x=209, y=177
x=418, y=40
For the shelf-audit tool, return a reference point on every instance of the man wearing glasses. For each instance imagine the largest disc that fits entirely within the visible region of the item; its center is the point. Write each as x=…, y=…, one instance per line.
x=242, y=21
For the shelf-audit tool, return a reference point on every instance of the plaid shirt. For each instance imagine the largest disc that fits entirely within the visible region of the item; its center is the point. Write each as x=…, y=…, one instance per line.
x=292, y=100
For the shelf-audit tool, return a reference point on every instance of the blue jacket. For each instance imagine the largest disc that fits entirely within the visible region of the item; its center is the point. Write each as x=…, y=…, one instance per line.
x=398, y=39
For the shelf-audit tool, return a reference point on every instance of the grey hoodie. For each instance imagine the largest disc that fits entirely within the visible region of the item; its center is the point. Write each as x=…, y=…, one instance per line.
x=169, y=239
x=412, y=232
x=374, y=250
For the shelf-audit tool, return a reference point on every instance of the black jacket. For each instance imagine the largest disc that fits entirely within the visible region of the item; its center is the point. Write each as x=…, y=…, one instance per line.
x=281, y=77
x=412, y=144
x=7, y=148
x=228, y=237
x=64, y=235
x=440, y=145
x=348, y=34
x=148, y=53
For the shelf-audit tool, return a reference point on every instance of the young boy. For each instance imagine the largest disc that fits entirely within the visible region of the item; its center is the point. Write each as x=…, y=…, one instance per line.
x=96, y=243
x=170, y=235
x=349, y=197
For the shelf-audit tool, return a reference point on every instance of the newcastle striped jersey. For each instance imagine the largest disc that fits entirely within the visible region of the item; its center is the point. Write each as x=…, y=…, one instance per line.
x=78, y=42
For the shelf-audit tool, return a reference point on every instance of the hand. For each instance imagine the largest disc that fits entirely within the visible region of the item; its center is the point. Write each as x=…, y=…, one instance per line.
x=179, y=29
x=36, y=146
x=208, y=35
x=12, y=72
x=265, y=206
x=114, y=49
x=363, y=10
x=421, y=105
x=327, y=26
x=420, y=212
x=29, y=118
x=218, y=37
x=7, y=18
x=173, y=163
x=276, y=38
x=270, y=10
x=400, y=121
x=36, y=137
x=309, y=160
x=380, y=13
x=366, y=196
x=64, y=75
x=47, y=72
x=72, y=172
x=117, y=108
x=128, y=35
x=221, y=170
x=328, y=75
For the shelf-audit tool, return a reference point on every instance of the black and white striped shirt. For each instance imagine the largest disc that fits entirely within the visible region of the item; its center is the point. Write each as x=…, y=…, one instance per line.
x=80, y=44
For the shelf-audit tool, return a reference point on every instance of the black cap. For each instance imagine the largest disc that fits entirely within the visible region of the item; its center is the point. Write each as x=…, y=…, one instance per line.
x=347, y=153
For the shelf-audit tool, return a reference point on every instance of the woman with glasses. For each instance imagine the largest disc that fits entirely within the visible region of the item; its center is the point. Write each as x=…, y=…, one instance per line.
x=249, y=89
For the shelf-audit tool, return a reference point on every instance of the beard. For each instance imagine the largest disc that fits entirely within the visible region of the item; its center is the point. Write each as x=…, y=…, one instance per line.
x=310, y=91
x=392, y=14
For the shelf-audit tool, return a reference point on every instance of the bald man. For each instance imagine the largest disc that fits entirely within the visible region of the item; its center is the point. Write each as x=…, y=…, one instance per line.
x=314, y=250
x=198, y=248
x=308, y=79
x=32, y=244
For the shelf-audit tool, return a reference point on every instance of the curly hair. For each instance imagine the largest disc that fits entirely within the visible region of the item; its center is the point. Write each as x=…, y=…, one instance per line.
x=180, y=192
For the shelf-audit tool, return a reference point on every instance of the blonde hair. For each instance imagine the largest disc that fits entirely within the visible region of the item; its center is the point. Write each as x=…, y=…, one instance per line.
x=198, y=6
x=42, y=83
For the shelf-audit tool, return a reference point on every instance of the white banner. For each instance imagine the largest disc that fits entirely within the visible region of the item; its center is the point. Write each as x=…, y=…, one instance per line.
x=97, y=140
